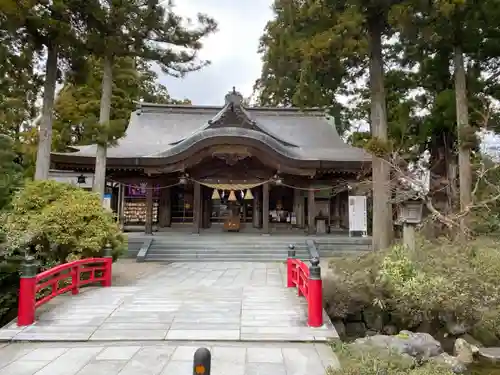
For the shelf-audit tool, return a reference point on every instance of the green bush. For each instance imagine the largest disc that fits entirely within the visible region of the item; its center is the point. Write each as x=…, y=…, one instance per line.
x=60, y=222
x=439, y=282
x=369, y=361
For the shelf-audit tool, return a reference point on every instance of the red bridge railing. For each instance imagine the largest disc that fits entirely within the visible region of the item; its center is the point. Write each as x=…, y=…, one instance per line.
x=308, y=282
x=67, y=277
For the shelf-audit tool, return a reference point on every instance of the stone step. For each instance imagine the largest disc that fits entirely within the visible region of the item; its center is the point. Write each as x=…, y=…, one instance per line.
x=242, y=249
x=259, y=240
x=233, y=258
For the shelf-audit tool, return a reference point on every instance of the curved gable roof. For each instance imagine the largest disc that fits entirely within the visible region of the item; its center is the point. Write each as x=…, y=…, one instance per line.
x=163, y=130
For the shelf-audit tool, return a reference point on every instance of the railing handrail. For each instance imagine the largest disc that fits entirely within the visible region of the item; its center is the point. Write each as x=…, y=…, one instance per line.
x=32, y=282
x=308, y=282
x=312, y=249
x=67, y=266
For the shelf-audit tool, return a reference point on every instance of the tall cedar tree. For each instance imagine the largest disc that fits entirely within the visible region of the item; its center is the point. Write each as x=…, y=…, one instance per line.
x=77, y=105
x=134, y=28
x=469, y=30
x=19, y=84
x=51, y=26
x=347, y=33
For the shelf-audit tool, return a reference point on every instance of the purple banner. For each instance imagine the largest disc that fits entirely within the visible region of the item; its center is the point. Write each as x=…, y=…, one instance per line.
x=140, y=190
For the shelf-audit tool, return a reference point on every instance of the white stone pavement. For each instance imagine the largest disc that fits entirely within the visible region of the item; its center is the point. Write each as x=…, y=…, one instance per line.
x=164, y=358
x=231, y=301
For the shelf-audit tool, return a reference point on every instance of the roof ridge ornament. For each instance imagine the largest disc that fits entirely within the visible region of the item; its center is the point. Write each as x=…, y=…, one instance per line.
x=233, y=97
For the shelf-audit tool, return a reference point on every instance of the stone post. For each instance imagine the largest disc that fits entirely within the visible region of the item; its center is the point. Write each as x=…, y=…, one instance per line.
x=409, y=236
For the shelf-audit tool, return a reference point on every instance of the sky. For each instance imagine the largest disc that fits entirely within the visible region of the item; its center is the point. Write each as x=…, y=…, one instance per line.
x=232, y=50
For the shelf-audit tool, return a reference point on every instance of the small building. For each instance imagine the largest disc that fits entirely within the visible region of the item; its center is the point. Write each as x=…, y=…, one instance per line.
x=227, y=168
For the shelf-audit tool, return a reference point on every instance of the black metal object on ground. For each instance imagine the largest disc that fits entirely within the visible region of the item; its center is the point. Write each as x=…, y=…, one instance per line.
x=202, y=361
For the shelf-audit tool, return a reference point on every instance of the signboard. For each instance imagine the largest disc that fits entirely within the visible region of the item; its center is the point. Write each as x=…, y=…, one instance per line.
x=106, y=202
x=358, y=221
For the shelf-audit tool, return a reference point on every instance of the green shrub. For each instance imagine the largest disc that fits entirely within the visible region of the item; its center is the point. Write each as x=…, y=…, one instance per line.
x=369, y=361
x=438, y=282
x=60, y=222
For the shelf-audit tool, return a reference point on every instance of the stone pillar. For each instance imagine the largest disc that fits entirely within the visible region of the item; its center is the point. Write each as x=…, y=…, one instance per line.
x=165, y=208
x=311, y=212
x=149, y=208
x=256, y=209
x=265, y=208
x=196, y=207
x=409, y=236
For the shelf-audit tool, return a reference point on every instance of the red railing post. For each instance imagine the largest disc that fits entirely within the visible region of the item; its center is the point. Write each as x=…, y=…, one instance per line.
x=108, y=256
x=315, y=295
x=75, y=279
x=289, y=266
x=27, y=292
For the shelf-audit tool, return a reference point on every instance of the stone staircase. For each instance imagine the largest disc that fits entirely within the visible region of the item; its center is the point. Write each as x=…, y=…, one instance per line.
x=245, y=247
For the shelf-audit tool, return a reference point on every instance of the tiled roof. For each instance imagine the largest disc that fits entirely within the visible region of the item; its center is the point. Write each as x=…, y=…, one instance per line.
x=164, y=130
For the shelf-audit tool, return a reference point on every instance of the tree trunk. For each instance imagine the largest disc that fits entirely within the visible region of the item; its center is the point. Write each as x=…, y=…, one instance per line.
x=381, y=170
x=45, y=132
x=104, y=117
x=464, y=165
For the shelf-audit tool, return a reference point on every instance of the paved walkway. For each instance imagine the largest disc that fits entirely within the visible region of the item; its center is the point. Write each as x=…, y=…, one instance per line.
x=148, y=358
x=240, y=311
x=184, y=301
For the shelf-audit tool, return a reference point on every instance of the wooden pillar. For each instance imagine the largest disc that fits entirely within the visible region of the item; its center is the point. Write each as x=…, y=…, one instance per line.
x=149, y=208
x=196, y=207
x=311, y=212
x=336, y=210
x=119, y=211
x=265, y=208
x=207, y=211
x=164, y=208
x=256, y=209
x=298, y=208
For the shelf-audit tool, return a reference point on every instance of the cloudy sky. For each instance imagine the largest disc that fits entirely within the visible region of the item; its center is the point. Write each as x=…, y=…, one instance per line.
x=232, y=50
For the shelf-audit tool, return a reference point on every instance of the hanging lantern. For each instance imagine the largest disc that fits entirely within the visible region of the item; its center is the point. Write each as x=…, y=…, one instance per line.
x=215, y=195
x=232, y=197
x=183, y=180
x=81, y=179
x=277, y=180
x=248, y=195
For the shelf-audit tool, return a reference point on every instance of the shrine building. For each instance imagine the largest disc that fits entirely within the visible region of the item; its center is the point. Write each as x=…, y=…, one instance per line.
x=228, y=168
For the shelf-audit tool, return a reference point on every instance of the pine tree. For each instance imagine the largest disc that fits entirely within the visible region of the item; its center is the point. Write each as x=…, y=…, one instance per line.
x=136, y=29
x=77, y=106
x=49, y=26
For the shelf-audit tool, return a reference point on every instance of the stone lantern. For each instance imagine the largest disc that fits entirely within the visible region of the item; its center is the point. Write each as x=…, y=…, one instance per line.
x=416, y=185
x=411, y=211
